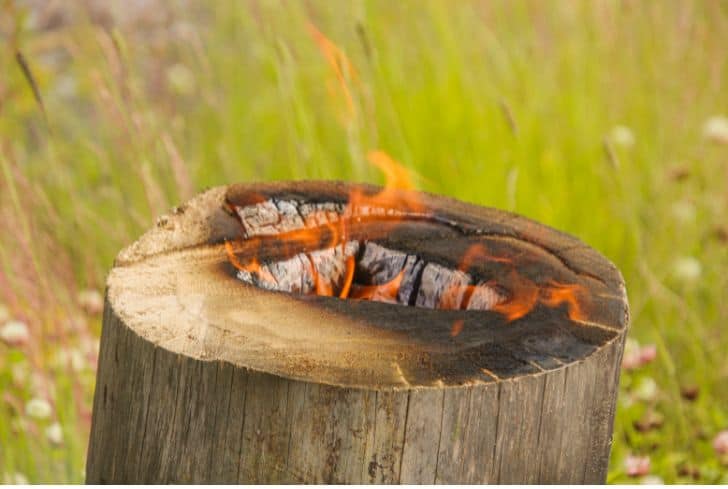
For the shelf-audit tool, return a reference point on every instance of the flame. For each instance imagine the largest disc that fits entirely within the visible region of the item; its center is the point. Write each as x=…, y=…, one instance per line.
x=253, y=266
x=526, y=294
x=328, y=235
x=457, y=295
x=386, y=292
x=340, y=65
x=457, y=327
x=323, y=232
x=573, y=295
x=348, y=277
x=397, y=176
x=524, y=297
x=397, y=193
x=479, y=252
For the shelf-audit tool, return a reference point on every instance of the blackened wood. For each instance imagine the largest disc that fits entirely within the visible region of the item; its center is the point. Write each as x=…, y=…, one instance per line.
x=203, y=378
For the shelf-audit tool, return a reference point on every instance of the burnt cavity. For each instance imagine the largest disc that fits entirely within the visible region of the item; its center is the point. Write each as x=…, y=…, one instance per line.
x=379, y=254
x=367, y=270
x=418, y=259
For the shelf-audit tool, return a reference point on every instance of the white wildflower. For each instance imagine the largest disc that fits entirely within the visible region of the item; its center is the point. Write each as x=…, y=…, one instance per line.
x=684, y=211
x=716, y=129
x=91, y=301
x=652, y=480
x=38, y=408
x=54, y=433
x=622, y=136
x=631, y=345
x=16, y=479
x=687, y=268
x=15, y=333
x=646, y=390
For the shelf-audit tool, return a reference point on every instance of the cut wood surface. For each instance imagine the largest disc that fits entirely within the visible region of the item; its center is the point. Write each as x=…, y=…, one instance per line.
x=205, y=378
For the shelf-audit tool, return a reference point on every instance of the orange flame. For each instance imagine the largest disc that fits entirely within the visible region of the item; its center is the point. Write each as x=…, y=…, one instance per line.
x=457, y=295
x=397, y=193
x=385, y=292
x=457, y=327
x=397, y=176
x=527, y=294
x=314, y=238
x=252, y=267
x=524, y=297
x=479, y=252
x=348, y=277
x=324, y=233
x=340, y=65
x=573, y=295
x=320, y=287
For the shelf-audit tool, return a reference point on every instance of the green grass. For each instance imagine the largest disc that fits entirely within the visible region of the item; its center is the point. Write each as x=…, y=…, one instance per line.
x=506, y=104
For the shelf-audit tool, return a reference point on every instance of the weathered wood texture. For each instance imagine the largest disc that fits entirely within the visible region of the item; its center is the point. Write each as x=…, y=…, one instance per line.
x=204, y=379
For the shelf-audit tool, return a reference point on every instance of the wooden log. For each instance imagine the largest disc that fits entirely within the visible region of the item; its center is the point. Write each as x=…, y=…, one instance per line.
x=203, y=377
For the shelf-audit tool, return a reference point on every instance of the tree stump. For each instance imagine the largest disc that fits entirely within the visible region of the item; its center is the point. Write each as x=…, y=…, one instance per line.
x=494, y=357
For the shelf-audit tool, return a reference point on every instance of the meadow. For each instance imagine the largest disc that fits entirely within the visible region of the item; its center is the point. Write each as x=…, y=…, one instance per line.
x=606, y=119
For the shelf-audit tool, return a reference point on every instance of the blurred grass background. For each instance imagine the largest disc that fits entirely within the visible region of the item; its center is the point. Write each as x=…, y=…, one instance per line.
x=600, y=118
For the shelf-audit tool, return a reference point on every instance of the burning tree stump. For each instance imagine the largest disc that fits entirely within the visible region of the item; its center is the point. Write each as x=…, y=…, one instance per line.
x=323, y=332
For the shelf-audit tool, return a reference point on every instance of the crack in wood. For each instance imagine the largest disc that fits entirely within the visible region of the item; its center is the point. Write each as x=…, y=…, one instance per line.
x=404, y=436
x=439, y=438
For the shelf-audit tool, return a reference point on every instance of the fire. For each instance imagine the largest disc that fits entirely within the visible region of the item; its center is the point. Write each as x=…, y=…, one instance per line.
x=397, y=193
x=386, y=292
x=524, y=297
x=341, y=66
x=479, y=252
x=527, y=294
x=330, y=234
x=573, y=295
x=457, y=327
x=348, y=277
x=524, y=294
x=397, y=176
x=457, y=295
x=513, y=296
x=253, y=267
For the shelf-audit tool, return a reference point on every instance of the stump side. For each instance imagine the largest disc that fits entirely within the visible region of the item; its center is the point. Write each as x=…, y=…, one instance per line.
x=162, y=417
